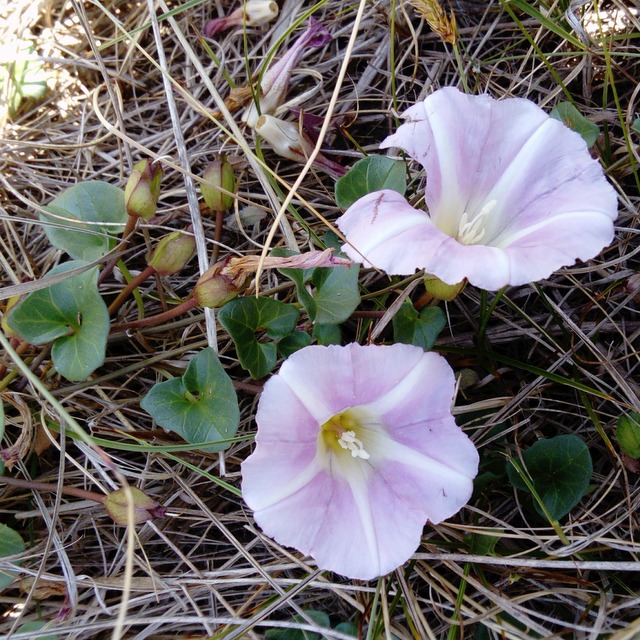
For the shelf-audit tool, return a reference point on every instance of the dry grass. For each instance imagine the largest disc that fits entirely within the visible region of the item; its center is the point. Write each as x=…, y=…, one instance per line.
x=205, y=570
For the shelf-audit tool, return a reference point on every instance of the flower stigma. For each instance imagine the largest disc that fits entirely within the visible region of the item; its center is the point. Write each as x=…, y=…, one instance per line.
x=472, y=231
x=341, y=431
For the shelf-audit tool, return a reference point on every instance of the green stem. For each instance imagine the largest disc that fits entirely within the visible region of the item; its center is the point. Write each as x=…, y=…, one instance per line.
x=133, y=284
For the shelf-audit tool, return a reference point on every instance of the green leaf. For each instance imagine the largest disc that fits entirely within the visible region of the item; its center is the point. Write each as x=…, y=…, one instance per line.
x=23, y=77
x=628, y=434
x=293, y=342
x=635, y=126
x=370, y=174
x=336, y=295
x=559, y=469
x=73, y=315
x=39, y=625
x=201, y=406
x=11, y=543
x=348, y=628
x=327, y=334
x=243, y=317
x=320, y=617
x=421, y=329
x=100, y=212
x=567, y=113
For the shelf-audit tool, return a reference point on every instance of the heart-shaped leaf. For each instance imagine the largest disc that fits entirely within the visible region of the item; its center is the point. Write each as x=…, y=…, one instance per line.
x=628, y=434
x=72, y=314
x=336, y=295
x=243, y=317
x=421, y=329
x=87, y=216
x=11, y=543
x=201, y=406
x=370, y=174
x=559, y=469
x=567, y=113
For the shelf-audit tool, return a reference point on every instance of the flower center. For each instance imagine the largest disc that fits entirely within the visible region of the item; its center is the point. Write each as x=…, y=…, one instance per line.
x=340, y=434
x=472, y=231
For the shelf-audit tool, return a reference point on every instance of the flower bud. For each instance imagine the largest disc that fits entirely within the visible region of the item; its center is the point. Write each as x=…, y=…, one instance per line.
x=253, y=13
x=285, y=139
x=218, y=180
x=143, y=189
x=144, y=507
x=442, y=290
x=275, y=81
x=218, y=284
x=172, y=253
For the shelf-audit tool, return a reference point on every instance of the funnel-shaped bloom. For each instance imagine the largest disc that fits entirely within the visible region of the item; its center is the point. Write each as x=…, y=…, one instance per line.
x=356, y=450
x=512, y=195
x=252, y=13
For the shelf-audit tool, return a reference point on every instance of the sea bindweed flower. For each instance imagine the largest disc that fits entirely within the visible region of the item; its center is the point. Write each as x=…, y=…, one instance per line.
x=288, y=141
x=512, y=195
x=252, y=13
x=356, y=450
x=275, y=80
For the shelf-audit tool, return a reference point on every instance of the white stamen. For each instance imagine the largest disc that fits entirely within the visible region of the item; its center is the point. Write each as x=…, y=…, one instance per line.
x=349, y=441
x=471, y=231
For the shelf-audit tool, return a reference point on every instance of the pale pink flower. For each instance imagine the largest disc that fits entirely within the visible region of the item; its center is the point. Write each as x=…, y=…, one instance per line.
x=511, y=195
x=252, y=13
x=356, y=450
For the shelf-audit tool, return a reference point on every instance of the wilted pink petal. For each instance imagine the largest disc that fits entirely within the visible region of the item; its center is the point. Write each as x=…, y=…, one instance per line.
x=512, y=195
x=356, y=450
x=275, y=80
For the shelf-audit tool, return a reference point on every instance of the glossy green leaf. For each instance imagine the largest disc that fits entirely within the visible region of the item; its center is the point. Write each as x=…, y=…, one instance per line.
x=244, y=317
x=11, y=543
x=327, y=334
x=420, y=329
x=73, y=315
x=628, y=434
x=201, y=406
x=334, y=296
x=87, y=217
x=559, y=469
x=370, y=174
x=567, y=113
x=293, y=342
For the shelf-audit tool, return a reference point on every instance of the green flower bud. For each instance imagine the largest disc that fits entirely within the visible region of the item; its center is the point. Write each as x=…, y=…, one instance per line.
x=442, y=290
x=144, y=507
x=218, y=179
x=143, y=189
x=172, y=253
x=219, y=284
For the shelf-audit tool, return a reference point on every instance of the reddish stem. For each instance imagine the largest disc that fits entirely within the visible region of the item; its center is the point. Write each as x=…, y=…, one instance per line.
x=128, y=231
x=124, y=294
x=45, y=486
x=153, y=321
x=217, y=237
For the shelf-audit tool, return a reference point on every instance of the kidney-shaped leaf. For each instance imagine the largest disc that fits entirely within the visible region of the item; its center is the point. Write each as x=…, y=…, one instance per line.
x=201, y=406
x=11, y=543
x=72, y=314
x=560, y=469
x=86, y=217
x=243, y=317
x=420, y=329
x=370, y=174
